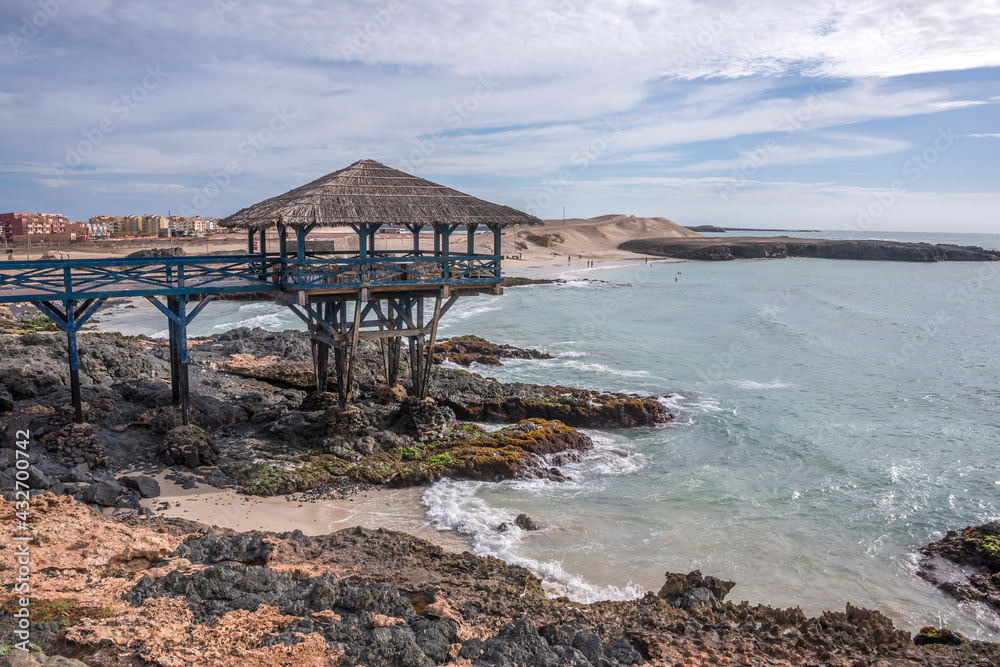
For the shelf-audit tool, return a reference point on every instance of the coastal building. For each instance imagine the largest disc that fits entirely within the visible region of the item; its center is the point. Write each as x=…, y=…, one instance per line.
x=31, y=224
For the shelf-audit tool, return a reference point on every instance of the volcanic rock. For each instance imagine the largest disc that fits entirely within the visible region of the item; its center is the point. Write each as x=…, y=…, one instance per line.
x=190, y=446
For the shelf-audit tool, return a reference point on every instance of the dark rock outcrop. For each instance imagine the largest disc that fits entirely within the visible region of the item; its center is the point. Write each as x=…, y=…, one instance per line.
x=189, y=446
x=782, y=246
x=467, y=350
x=687, y=590
x=476, y=398
x=977, y=550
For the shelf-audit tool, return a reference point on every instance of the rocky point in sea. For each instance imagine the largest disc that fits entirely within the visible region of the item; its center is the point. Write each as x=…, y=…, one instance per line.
x=258, y=424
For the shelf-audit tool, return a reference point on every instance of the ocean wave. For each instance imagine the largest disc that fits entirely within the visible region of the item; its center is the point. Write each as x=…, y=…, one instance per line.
x=268, y=321
x=753, y=384
x=258, y=306
x=601, y=368
x=453, y=505
x=466, y=313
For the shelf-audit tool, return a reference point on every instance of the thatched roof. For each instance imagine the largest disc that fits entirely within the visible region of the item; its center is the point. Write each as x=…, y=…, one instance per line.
x=370, y=192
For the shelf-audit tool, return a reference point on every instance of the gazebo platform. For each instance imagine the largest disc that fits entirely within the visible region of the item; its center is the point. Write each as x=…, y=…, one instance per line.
x=343, y=296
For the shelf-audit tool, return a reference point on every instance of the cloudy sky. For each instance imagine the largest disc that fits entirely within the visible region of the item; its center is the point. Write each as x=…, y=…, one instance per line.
x=855, y=115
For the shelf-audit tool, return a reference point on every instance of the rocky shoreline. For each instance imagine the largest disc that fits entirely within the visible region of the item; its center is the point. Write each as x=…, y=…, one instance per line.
x=137, y=589
x=153, y=591
x=726, y=249
x=257, y=425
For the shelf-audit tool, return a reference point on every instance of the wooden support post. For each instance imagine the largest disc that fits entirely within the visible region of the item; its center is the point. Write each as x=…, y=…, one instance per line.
x=178, y=320
x=250, y=233
x=416, y=238
x=362, y=232
x=179, y=357
x=74, y=363
x=320, y=350
x=497, y=250
x=392, y=365
x=416, y=348
x=300, y=243
x=70, y=319
x=263, y=243
x=351, y=351
x=426, y=380
x=471, y=230
x=175, y=386
x=321, y=354
x=282, y=240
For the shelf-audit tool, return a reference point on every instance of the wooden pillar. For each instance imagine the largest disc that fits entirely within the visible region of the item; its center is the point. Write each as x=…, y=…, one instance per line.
x=74, y=363
x=416, y=238
x=320, y=350
x=179, y=352
x=497, y=250
x=70, y=319
x=471, y=230
x=175, y=388
x=300, y=243
x=263, y=242
x=282, y=240
x=250, y=233
x=425, y=382
x=437, y=240
x=362, y=232
x=392, y=353
x=416, y=355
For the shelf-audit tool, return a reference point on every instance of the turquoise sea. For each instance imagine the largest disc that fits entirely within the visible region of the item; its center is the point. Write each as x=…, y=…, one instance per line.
x=832, y=418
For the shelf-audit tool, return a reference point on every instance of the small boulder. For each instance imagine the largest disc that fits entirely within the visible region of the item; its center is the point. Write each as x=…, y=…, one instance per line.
x=190, y=446
x=146, y=486
x=102, y=493
x=932, y=635
x=385, y=394
x=688, y=590
x=37, y=479
x=524, y=522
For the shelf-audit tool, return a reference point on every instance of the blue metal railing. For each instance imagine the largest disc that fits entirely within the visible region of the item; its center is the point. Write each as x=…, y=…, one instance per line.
x=78, y=279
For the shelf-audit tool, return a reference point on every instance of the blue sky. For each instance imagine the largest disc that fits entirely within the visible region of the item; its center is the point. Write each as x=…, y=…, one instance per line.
x=843, y=115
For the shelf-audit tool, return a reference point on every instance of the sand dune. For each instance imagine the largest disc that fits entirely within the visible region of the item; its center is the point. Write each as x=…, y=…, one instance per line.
x=595, y=237
x=603, y=233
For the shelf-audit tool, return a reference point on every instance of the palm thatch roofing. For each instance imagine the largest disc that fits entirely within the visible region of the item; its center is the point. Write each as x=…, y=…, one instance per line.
x=369, y=192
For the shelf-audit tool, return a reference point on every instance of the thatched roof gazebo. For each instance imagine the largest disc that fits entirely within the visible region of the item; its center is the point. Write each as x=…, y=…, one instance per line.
x=368, y=192
x=348, y=295
x=368, y=195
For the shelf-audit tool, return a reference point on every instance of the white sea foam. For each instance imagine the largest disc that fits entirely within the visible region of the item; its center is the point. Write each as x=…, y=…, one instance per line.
x=269, y=321
x=601, y=368
x=753, y=384
x=453, y=505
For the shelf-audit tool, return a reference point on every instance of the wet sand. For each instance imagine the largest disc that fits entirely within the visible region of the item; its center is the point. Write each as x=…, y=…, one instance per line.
x=394, y=509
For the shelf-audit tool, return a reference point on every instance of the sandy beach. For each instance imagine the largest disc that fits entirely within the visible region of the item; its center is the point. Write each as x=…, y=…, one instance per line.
x=395, y=509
